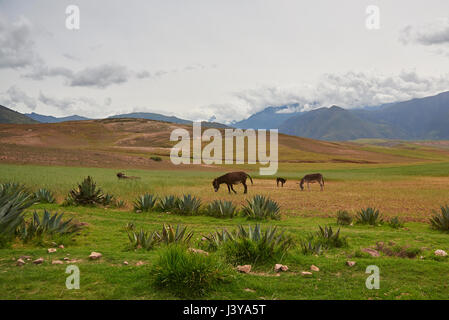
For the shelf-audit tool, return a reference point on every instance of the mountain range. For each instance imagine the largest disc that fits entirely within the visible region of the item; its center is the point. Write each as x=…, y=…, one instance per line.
x=417, y=119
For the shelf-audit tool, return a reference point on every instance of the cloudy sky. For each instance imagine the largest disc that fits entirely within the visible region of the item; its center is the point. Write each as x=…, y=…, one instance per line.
x=199, y=59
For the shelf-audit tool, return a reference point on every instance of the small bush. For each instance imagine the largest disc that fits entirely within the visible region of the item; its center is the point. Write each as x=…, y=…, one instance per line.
x=441, y=221
x=344, y=218
x=86, y=194
x=186, y=274
x=156, y=158
x=369, y=216
x=145, y=203
x=254, y=246
x=221, y=209
x=188, y=205
x=395, y=223
x=168, y=203
x=262, y=208
x=44, y=196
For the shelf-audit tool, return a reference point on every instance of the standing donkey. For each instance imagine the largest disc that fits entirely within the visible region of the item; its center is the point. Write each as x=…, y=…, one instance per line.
x=311, y=178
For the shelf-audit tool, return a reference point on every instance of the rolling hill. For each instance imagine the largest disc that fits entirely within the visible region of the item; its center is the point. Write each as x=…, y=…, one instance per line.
x=11, y=116
x=50, y=119
x=269, y=118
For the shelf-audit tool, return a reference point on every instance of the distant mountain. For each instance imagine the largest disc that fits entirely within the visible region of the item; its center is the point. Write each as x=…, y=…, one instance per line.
x=269, y=118
x=172, y=119
x=417, y=119
x=11, y=116
x=51, y=119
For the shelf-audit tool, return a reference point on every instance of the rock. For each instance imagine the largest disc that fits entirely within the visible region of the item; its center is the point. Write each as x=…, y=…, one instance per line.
x=314, y=268
x=66, y=259
x=95, y=255
x=198, y=251
x=51, y=250
x=57, y=262
x=306, y=273
x=244, y=269
x=203, y=239
x=20, y=262
x=280, y=267
x=28, y=258
x=61, y=246
x=38, y=261
x=140, y=263
x=125, y=263
x=440, y=253
x=249, y=290
x=350, y=263
x=371, y=252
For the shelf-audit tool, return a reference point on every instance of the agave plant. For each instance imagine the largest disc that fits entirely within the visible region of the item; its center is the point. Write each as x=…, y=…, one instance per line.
x=188, y=205
x=44, y=196
x=310, y=247
x=327, y=238
x=344, y=218
x=369, y=216
x=171, y=235
x=262, y=208
x=221, y=209
x=145, y=203
x=215, y=239
x=86, y=193
x=143, y=239
x=168, y=203
x=47, y=225
x=108, y=199
x=441, y=221
x=395, y=223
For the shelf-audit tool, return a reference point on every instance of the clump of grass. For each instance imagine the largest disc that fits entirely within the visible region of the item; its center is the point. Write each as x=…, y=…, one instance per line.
x=255, y=246
x=86, y=194
x=188, y=205
x=344, y=218
x=168, y=203
x=156, y=158
x=216, y=239
x=44, y=196
x=144, y=203
x=441, y=221
x=262, y=208
x=187, y=274
x=395, y=223
x=221, y=209
x=369, y=216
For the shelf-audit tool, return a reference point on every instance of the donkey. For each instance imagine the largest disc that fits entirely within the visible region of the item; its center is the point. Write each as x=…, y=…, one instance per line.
x=121, y=175
x=230, y=179
x=311, y=178
x=281, y=181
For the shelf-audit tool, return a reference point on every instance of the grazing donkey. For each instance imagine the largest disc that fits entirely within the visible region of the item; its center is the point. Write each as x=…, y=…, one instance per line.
x=311, y=178
x=230, y=179
x=121, y=175
x=280, y=180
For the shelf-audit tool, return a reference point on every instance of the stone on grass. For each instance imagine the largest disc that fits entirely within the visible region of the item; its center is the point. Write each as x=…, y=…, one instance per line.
x=57, y=262
x=61, y=246
x=20, y=262
x=140, y=263
x=38, y=261
x=51, y=250
x=95, y=255
x=350, y=263
x=280, y=267
x=314, y=268
x=198, y=251
x=440, y=253
x=371, y=252
x=306, y=273
x=125, y=263
x=244, y=269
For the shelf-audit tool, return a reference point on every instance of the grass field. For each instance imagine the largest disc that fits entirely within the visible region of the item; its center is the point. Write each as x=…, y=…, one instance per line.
x=410, y=191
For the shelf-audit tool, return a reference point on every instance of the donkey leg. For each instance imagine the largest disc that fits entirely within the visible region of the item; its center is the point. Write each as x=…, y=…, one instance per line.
x=232, y=188
x=246, y=187
x=229, y=189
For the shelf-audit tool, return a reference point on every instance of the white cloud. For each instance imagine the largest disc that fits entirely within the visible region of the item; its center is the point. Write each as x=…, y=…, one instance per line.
x=14, y=97
x=435, y=33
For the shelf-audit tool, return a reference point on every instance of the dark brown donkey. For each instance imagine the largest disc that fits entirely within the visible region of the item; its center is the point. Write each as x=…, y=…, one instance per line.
x=281, y=181
x=230, y=179
x=121, y=175
x=311, y=178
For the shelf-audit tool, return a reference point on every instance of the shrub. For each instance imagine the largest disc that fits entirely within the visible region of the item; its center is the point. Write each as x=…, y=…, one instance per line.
x=44, y=196
x=221, y=209
x=441, y=221
x=215, y=239
x=168, y=235
x=144, y=203
x=395, y=223
x=187, y=274
x=156, y=158
x=344, y=218
x=109, y=200
x=255, y=246
x=262, y=208
x=143, y=239
x=369, y=216
x=86, y=194
x=168, y=203
x=49, y=225
x=188, y=205
x=328, y=239
x=310, y=247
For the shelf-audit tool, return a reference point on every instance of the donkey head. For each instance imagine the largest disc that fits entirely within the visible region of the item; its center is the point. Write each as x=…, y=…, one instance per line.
x=216, y=185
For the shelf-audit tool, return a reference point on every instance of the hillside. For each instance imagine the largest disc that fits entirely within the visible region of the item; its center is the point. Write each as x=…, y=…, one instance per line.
x=269, y=118
x=50, y=119
x=11, y=116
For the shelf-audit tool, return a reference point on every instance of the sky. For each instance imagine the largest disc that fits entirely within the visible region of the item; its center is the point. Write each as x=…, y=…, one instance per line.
x=219, y=59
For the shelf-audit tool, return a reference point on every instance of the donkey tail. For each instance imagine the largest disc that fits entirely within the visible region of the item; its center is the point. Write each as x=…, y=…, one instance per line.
x=250, y=178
